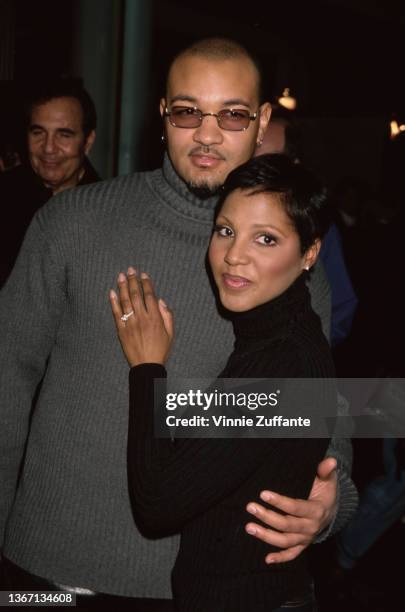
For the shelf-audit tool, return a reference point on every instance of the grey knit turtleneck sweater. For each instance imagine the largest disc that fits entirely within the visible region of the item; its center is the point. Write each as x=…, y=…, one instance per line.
x=69, y=520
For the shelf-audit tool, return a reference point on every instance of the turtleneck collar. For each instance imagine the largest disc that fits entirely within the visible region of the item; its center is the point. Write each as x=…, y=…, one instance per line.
x=172, y=186
x=274, y=317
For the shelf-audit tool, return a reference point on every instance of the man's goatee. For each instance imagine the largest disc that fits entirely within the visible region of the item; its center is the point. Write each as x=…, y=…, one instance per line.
x=204, y=191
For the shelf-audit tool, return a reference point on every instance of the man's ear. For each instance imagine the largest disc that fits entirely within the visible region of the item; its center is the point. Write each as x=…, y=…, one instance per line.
x=264, y=118
x=89, y=141
x=311, y=255
x=162, y=106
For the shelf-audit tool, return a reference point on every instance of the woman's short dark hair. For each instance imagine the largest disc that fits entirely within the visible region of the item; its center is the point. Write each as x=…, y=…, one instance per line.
x=303, y=196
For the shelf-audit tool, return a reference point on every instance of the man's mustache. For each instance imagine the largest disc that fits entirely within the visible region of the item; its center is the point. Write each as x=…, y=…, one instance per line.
x=207, y=151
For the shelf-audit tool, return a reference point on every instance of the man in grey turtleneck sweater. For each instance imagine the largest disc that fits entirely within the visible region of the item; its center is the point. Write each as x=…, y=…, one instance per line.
x=66, y=516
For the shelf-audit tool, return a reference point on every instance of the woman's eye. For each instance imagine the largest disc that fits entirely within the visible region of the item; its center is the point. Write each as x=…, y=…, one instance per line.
x=267, y=240
x=222, y=230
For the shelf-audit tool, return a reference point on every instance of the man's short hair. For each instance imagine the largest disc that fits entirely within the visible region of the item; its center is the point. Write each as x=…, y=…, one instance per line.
x=219, y=49
x=64, y=88
x=301, y=194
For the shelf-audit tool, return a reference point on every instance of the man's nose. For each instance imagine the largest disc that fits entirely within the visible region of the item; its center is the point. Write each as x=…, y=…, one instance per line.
x=49, y=143
x=237, y=253
x=209, y=132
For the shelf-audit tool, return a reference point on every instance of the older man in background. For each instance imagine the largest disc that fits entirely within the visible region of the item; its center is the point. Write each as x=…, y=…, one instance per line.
x=61, y=124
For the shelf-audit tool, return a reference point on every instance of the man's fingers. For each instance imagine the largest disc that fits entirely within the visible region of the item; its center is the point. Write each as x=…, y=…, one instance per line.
x=326, y=467
x=283, y=556
x=281, y=522
x=296, y=507
x=275, y=538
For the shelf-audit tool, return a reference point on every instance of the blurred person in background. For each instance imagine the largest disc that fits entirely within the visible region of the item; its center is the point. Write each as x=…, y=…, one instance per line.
x=61, y=123
x=283, y=136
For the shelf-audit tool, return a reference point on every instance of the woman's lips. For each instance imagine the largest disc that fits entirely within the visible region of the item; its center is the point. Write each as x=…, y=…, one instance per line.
x=235, y=282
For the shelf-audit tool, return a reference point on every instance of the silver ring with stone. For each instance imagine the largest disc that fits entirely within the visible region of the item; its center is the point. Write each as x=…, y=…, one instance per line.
x=126, y=316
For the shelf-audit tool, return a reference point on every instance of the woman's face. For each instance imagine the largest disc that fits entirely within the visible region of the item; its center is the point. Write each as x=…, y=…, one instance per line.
x=255, y=250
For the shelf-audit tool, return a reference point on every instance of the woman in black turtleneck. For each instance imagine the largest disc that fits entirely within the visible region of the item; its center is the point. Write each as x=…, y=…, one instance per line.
x=271, y=218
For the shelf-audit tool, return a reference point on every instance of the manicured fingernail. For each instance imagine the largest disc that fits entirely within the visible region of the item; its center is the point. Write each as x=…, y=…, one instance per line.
x=252, y=509
x=266, y=496
x=163, y=303
x=113, y=295
x=269, y=560
x=251, y=530
x=121, y=277
x=131, y=270
x=144, y=275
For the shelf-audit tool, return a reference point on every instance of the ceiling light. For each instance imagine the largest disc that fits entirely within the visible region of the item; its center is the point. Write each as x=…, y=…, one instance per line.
x=287, y=100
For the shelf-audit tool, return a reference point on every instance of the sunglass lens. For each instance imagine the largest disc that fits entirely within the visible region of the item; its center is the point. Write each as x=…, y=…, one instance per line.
x=185, y=116
x=234, y=119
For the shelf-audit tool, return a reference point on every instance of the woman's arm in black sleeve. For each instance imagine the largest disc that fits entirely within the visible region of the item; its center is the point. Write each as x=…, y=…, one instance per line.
x=172, y=482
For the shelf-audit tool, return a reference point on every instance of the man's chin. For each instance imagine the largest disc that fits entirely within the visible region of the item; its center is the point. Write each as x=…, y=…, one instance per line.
x=50, y=181
x=203, y=191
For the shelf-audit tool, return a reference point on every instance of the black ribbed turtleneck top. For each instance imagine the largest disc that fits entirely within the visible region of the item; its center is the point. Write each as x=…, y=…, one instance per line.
x=201, y=486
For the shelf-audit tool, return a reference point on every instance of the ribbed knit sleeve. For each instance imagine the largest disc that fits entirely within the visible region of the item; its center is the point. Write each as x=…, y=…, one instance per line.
x=347, y=501
x=341, y=449
x=30, y=311
x=340, y=446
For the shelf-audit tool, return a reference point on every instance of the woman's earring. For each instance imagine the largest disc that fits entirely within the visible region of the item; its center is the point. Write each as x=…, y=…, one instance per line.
x=163, y=138
x=306, y=268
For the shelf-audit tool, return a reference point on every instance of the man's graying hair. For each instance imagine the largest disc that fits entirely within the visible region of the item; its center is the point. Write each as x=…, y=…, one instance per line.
x=68, y=87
